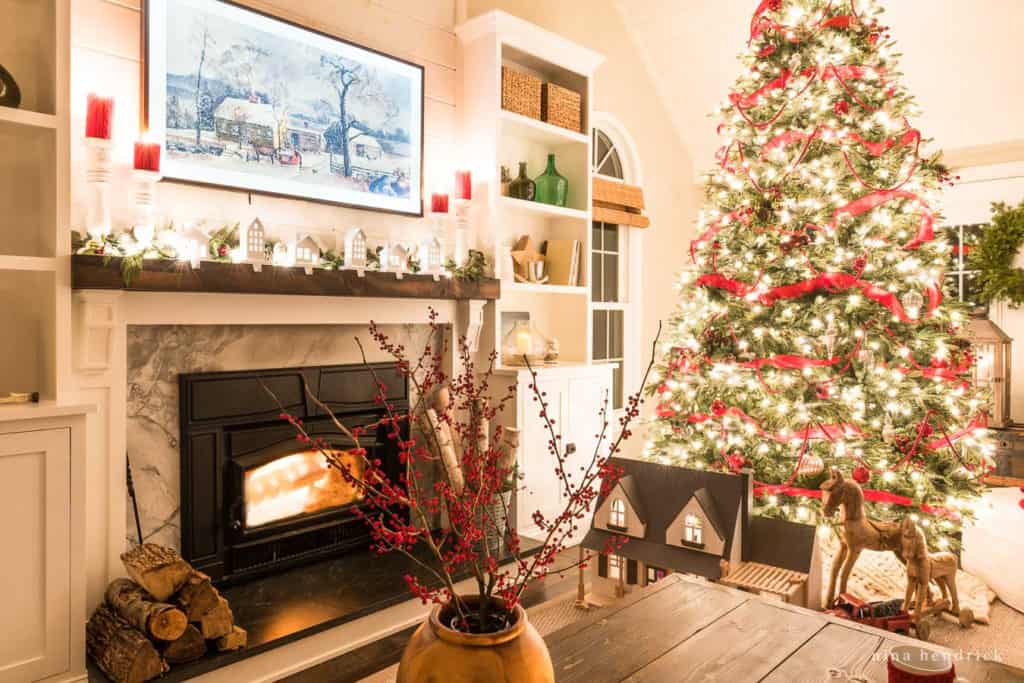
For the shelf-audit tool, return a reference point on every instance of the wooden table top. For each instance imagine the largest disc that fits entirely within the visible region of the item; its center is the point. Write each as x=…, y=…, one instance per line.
x=683, y=629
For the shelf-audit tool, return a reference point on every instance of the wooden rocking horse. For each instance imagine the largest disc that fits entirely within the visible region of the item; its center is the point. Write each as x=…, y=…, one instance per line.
x=923, y=568
x=859, y=532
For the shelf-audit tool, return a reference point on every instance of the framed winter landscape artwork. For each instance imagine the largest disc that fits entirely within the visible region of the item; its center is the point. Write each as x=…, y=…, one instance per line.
x=249, y=101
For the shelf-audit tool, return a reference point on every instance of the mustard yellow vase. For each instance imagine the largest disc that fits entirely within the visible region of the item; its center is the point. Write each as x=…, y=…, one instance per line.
x=438, y=654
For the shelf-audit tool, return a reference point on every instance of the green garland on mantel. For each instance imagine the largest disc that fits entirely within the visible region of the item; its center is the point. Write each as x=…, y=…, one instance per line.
x=993, y=256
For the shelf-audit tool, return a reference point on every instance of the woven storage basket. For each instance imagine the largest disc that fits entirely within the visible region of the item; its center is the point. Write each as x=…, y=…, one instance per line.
x=561, y=107
x=520, y=92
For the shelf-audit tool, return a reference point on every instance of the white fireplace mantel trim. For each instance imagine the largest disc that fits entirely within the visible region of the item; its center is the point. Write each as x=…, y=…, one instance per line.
x=99, y=374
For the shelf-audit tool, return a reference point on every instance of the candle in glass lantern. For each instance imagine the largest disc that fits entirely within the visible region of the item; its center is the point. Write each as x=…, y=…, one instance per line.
x=438, y=203
x=98, y=116
x=147, y=156
x=463, y=185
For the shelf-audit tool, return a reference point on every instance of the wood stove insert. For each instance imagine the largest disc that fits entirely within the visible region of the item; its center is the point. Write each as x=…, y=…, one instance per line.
x=254, y=499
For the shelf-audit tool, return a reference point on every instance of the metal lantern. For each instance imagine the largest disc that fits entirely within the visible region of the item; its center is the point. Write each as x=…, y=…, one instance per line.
x=992, y=348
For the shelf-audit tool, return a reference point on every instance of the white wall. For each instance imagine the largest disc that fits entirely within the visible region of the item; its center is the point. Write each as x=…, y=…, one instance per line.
x=960, y=60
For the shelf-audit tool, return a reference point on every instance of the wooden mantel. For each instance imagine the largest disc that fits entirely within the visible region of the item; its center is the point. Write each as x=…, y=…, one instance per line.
x=89, y=272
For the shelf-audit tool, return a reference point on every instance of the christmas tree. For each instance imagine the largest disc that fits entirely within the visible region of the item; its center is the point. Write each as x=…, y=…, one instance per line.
x=812, y=332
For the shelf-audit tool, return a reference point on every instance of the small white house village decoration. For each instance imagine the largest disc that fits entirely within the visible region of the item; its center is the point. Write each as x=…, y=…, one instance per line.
x=252, y=245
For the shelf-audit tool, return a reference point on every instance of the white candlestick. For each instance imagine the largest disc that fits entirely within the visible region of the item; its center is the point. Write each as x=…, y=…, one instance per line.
x=98, y=172
x=461, y=232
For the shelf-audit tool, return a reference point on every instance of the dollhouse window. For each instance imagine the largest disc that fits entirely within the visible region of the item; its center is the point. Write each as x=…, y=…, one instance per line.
x=614, y=567
x=617, y=515
x=693, y=530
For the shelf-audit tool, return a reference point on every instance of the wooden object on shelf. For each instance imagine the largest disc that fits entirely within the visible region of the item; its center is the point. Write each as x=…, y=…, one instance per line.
x=218, y=621
x=524, y=253
x=619, y=203
x=156, y=619
x=120, y=650
x=189, y=647
x=561, y=107
x=89, y=272
x=197, y=596
x=159, y=570
x=520, y=92
x=232, y=641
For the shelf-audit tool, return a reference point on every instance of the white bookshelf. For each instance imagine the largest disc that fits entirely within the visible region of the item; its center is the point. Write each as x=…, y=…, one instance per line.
x=34, y=199
x=496, y=137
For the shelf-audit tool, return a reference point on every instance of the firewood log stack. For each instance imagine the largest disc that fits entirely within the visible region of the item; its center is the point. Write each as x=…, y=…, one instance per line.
x=166, y=613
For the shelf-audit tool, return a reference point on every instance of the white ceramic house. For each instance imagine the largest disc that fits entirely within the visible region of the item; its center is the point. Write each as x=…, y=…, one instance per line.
x=355, y=248
x=431, y=257
x=307, y=253
x=398, y=259
x=252, y=243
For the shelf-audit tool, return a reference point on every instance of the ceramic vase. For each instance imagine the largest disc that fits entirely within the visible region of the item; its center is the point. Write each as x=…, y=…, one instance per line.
x=437, y=653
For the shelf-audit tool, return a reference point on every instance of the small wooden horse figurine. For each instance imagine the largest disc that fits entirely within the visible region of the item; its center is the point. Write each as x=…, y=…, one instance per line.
x=923, y=568
x=859, y=533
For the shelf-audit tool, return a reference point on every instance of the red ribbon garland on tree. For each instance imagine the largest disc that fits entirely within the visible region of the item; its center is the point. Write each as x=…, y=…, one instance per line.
x=825, y=281
x=873, y=495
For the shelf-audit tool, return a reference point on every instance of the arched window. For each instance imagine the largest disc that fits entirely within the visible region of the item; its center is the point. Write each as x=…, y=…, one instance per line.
x=693, y=531
x=617, y=516
x=615, y=263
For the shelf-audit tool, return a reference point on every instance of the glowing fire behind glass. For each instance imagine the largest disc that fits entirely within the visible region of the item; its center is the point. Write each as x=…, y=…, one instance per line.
x=298, y=484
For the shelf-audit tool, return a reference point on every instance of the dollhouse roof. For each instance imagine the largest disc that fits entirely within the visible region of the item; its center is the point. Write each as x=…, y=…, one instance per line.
x=661, y=492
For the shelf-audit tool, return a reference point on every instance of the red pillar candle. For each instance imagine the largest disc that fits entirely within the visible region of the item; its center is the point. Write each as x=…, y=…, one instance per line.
x=463, y=185
x=98, y=116
x=438, y=203
x=147, y=156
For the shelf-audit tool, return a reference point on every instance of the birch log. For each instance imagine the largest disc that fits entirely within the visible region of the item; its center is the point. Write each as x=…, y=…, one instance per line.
x=448, y=455
x=120, y=650
x=155, y=619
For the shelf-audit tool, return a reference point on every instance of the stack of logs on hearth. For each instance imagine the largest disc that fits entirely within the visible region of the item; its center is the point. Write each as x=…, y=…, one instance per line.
x=166, y=613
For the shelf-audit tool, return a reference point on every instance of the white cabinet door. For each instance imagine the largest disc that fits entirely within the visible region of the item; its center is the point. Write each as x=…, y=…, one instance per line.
x=587, y=397
x=35, y=502
x=539, y=487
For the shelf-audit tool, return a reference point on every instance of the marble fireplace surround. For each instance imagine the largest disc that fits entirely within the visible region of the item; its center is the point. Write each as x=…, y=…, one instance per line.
x=129, y=347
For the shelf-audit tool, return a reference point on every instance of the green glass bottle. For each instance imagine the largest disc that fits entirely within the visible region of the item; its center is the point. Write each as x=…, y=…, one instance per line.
x=552, y=187
x=522, y=187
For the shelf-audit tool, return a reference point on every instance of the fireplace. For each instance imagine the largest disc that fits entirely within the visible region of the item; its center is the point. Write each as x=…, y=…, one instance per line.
x=254, y=499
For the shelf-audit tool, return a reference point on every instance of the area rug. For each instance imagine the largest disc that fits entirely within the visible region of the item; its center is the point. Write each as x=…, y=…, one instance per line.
x=880, y=576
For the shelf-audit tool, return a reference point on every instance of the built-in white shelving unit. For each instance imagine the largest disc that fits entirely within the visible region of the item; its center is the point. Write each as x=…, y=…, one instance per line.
x=34, y=201
x=497, y=137
x=575, y=388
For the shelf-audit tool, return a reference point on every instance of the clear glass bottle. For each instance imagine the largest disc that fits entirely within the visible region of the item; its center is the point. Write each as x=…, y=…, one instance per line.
x=523, y=343
x=552, y=187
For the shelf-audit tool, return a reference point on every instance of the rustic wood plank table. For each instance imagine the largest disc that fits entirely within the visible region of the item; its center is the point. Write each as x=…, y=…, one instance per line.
x=683, y=629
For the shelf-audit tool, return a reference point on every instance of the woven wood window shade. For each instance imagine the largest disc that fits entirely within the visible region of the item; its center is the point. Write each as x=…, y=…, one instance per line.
x=619, y=203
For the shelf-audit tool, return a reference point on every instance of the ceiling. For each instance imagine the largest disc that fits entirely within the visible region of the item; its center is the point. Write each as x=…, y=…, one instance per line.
x=962, y=59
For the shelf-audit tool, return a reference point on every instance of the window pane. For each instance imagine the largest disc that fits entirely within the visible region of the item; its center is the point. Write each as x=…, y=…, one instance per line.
x=951, y=287
x=952, y=235
x=602, y=145
x=612, y=167
x=600, y=335
x=618, y=399
x=610, y=277
x=615, y=332
x=595, y=277
x=597, y=231
x=971, y=288
x=611, y=237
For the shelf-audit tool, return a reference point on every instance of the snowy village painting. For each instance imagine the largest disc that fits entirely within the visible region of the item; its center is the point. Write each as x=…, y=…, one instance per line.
x=248, y=101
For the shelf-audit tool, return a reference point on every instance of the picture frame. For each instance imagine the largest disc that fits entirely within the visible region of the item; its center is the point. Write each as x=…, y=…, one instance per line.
x=246, y=100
